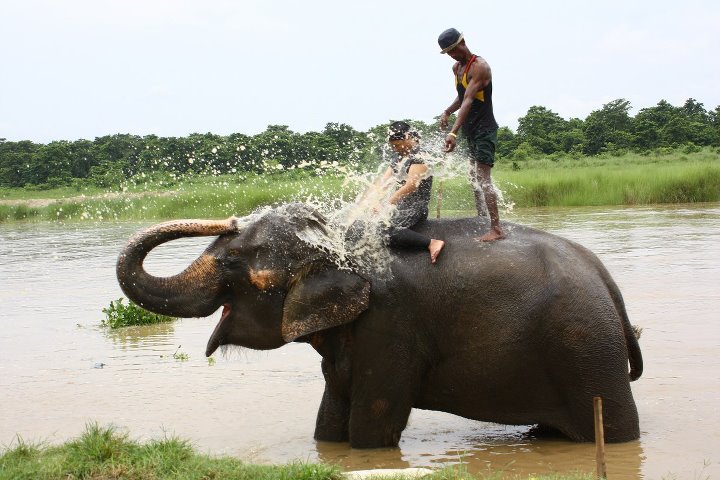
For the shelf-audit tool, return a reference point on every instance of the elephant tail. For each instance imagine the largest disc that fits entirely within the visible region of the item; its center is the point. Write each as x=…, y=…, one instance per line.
x=631, y=333
x=633, y=347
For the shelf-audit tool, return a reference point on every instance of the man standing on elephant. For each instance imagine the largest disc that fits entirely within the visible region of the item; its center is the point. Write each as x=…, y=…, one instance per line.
x=473, y=105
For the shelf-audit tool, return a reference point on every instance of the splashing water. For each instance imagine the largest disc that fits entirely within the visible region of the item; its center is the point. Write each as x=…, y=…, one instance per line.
x=355, y=237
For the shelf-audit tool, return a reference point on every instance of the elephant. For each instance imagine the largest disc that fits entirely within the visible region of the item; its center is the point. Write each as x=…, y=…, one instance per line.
x=521, y=331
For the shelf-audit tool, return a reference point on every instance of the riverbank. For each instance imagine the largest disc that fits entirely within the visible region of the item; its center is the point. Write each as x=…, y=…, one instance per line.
x=630, y=179
x=103, y=453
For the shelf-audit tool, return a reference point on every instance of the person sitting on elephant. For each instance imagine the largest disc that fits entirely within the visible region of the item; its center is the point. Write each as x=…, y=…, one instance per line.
x=413, y=182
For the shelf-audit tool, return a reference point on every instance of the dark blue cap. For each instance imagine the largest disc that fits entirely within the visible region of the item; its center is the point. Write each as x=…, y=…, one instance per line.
x=449, y=39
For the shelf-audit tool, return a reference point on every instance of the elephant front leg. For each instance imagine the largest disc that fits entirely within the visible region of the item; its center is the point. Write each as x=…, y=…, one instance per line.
x=378, y=424
x=382, y=399
x=333, y=418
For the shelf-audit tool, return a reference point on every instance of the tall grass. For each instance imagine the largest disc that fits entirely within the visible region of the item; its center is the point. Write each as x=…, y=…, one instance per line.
x=631, y=179
x=627, y=185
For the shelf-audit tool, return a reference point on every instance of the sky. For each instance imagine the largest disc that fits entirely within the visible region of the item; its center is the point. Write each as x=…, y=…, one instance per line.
x=76, y=69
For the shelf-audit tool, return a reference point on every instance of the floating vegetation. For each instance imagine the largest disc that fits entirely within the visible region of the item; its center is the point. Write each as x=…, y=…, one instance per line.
x=119, y=315
x=181, y=356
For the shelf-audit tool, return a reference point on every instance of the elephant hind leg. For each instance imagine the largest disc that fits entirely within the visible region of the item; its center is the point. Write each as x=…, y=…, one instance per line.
x=620, y=420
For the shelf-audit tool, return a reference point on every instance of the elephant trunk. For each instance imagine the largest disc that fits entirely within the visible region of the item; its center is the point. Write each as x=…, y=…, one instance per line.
x=191, y=293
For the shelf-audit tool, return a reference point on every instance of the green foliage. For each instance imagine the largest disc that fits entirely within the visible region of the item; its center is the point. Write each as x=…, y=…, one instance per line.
x=609, y=125
x=105, y=453
x=119, y=315
x=23, y=212
x=543, y=130
x=181, y=356
x=634, y=184
x=665, y=175
x=111, y=160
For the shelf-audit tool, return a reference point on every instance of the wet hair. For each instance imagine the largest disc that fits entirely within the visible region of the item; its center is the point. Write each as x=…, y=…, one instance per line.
x=401, y=131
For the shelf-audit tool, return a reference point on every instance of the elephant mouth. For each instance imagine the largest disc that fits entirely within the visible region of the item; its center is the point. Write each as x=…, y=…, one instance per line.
x=216, y=337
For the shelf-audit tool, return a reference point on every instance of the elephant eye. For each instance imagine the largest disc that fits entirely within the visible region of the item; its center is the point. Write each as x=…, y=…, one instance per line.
x=232, y=259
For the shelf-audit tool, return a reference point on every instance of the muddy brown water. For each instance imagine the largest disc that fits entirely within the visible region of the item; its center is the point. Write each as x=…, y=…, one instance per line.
x=261, y=406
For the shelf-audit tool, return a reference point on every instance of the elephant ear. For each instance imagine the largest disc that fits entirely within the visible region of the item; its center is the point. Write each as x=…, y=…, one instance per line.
x=323, y=299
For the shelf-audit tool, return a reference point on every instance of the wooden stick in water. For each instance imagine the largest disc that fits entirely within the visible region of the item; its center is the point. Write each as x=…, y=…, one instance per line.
x=599, y=438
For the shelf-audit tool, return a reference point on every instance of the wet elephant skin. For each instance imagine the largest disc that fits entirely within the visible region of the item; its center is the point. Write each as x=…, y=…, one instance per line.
x=522, y=331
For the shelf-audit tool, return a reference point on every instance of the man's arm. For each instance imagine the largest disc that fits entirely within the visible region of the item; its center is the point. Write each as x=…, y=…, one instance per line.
x=416, y=174
x=445, y=115
x=478, y=78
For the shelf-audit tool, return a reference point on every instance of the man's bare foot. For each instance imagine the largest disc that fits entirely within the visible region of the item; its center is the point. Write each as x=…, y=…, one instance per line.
x=435, y=247
x=495, y=233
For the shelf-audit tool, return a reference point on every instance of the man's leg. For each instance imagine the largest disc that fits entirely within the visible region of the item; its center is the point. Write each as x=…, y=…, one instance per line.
x=486, y=186
x=477, y=190
x=405, y=238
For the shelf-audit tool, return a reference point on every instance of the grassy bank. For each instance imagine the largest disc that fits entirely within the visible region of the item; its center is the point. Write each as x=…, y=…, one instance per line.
x=631, y=179
x=105, y=453
x=197, y=197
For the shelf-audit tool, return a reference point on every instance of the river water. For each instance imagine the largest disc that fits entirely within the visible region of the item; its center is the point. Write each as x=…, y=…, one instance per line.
x=59, y=370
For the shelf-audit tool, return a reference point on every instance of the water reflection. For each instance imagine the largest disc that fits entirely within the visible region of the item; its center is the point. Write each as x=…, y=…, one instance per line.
x=141, y=336
x=496, y=448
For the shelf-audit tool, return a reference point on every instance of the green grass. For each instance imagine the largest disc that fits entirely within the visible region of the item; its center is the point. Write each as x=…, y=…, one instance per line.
x=119, y=315
x=104, y=453
x=195, y=197
x=630, y=179
x=627, y=185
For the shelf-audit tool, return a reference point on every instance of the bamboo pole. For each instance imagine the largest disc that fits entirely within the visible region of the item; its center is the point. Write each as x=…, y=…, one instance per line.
x=599, y=438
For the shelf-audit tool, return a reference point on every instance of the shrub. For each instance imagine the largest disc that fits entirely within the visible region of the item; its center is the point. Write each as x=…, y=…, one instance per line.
x=119, y=315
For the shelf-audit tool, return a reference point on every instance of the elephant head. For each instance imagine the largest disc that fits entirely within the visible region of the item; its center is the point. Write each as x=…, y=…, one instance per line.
x=274, y=285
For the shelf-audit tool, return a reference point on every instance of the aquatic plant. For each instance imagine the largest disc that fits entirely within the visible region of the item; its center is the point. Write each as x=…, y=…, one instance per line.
x=181, y=356
x=119, y=314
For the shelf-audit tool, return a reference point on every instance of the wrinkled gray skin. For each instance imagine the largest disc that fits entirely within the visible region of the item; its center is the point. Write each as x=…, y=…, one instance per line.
x=522, y=331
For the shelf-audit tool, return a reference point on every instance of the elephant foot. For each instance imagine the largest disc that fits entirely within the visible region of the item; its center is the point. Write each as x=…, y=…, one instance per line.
x=326, y=434
x=545, y=432
x=384, y=439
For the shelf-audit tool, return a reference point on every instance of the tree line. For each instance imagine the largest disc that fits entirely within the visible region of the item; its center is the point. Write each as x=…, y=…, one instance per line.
x=106, y=161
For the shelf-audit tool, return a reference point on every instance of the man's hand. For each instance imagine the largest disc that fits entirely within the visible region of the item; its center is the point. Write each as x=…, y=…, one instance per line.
x=444, y=120
x=450, y=142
